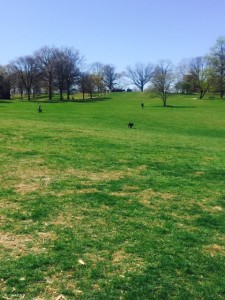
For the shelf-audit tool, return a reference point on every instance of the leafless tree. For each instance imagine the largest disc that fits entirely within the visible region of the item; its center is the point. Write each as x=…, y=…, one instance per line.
x=89, y=83
x=201, y=74
x=140, y=74
x=72, y=64
x=27, y=70
x=162, y=80
x=97, y=69
x=217, y=62
x=46, y=61
x=66, y=69
x=110, y=76
x=5, y=82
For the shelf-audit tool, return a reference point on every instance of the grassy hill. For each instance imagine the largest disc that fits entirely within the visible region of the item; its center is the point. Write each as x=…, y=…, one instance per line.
x=90, y=209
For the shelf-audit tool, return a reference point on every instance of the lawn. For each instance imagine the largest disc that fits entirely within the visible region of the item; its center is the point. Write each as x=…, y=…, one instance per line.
x=90, y=209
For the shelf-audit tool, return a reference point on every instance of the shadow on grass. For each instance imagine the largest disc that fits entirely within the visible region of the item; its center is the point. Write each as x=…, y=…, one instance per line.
x=6, y=101
x=93, y=100
x=89, y=100
x=175, y=106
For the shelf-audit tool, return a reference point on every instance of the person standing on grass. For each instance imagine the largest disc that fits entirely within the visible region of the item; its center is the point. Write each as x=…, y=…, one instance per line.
x=39, y=108
x=142, y=105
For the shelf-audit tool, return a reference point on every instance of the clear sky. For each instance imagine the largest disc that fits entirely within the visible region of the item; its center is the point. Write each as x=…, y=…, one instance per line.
x=119, y=32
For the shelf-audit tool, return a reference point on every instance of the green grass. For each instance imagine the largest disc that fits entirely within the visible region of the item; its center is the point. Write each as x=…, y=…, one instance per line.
x=93, y=210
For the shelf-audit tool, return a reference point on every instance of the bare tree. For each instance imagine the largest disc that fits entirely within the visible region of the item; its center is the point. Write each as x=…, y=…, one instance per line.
x=201, y=74
x=26, y=68
x=66, y=69
x=82, y=83
x=162, y=80
x=46, y=61
x=72, y=63
x=5, y=82
x=89, y=83
x=110, y=76
x=97, y=69
x=184, y=81
x=217, y=61
x=140, y=74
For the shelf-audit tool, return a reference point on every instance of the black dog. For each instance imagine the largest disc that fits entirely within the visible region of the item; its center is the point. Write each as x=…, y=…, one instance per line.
x=130, y=125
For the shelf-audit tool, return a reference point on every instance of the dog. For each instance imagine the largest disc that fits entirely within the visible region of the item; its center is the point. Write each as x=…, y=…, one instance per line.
x=130, y=125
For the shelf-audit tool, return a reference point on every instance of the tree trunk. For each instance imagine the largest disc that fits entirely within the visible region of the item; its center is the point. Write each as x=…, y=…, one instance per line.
x=68, y=94
x=61, y=94
x=50, y=90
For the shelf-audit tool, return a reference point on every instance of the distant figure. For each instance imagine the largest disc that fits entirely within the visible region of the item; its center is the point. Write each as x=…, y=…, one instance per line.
x=142, y=105
x=130, y=125
x=39, y=108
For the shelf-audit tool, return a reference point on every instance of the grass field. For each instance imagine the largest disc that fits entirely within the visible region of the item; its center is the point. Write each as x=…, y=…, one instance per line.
x=90, y=209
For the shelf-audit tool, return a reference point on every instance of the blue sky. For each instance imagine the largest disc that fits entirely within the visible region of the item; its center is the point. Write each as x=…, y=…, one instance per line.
x=119, y=32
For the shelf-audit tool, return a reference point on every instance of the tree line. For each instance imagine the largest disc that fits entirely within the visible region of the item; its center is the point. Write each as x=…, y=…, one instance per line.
x=52, y=69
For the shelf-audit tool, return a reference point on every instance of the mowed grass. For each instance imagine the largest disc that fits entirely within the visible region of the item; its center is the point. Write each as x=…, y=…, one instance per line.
x=90, y=209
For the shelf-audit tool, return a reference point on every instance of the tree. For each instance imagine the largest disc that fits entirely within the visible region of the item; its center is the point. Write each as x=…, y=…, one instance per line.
x=46, y=62
x=66, y=69
x=162, y=79
x=5, y=83
x=110, y=76
x=97, y=69
x=27, y=69
x=183, y=87
x=72, y=63
x=201, y=74
x=185, y=83
x=217, y=62
x=88, y=83
x=140, y=74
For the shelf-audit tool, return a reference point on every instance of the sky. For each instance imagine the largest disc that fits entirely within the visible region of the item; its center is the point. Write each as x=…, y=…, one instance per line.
x=117, y=32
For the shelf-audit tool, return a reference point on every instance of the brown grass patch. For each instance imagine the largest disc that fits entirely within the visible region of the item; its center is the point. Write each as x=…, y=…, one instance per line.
x=24, y=189
x=57, y=282
x=96, y=176
x=199, y=173
x=131, y=188
x=120, y=194
x=72, y=192
x=215, y=249
x=105, y=175
x=64, y=219
x=127, y=262
x=16, y=244
x=217, y=208
x=149, y=193
x=146, y=196
x=19, y=245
